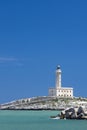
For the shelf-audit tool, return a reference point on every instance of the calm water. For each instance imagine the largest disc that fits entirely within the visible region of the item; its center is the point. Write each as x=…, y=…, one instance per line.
x=37, y=120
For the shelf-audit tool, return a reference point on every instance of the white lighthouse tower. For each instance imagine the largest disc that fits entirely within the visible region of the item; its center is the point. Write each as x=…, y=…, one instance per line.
x=58, y=77
x=59, y=91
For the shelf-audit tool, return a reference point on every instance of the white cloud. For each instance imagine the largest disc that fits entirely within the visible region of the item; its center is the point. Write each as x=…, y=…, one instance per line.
x=7, y=59
x=11, y=60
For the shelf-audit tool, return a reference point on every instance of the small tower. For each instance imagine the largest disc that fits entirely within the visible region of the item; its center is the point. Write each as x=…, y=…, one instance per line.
x=58, y=77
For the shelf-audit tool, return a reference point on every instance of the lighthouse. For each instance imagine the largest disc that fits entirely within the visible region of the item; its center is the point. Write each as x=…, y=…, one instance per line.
x=58, y=77
x=58, y=90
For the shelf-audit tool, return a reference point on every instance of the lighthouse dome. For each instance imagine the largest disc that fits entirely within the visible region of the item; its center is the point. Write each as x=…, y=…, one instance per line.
x=58, y=68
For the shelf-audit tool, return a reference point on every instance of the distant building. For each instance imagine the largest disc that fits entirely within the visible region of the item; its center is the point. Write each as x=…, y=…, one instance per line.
x=59, y=91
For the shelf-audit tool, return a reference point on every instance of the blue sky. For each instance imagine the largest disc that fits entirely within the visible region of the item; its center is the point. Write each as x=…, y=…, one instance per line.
x=36, y=36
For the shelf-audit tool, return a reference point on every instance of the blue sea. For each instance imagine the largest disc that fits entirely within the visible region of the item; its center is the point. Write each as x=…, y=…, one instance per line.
x=37, y=120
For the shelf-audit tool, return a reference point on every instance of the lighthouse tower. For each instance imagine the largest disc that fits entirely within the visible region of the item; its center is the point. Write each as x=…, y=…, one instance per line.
x=58, y=77
x=59, y=91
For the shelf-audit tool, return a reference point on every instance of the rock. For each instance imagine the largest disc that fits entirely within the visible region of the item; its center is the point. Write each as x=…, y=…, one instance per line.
x=81, y=115
x=62, y=116
x=85, y=114
x=80, y=110
x=70, y=110
x=68, y=115
x=63, y=112
x=73, y=113
x=84, y=117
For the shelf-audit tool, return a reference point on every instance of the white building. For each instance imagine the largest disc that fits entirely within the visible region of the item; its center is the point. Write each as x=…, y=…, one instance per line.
x=60, y=91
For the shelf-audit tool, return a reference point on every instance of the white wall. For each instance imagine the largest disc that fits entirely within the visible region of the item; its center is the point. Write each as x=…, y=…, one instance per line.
x=63, y=92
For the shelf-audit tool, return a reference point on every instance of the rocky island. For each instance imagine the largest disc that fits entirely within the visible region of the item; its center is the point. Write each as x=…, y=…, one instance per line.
x=45, y=103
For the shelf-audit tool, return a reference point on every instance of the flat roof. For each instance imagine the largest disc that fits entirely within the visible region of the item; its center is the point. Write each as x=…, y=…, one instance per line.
x=62, y=88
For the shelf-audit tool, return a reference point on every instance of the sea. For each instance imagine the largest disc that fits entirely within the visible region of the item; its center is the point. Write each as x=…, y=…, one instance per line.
x=37, y=120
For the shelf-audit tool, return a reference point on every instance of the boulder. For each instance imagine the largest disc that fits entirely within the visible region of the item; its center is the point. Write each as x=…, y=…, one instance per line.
x=70, y=110
x=72, y=113
x=62, y=115
x=68, y=115
x=80, y=116
x=80, y=110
